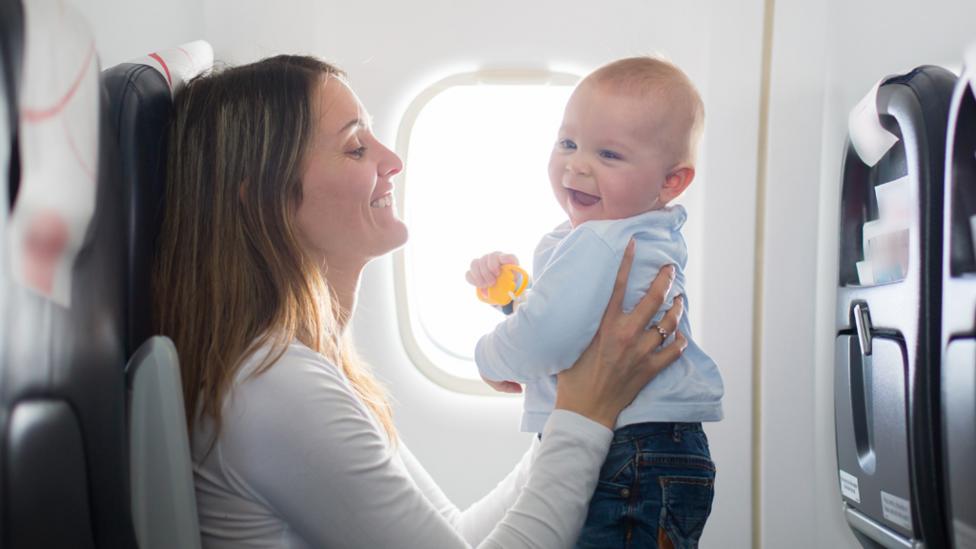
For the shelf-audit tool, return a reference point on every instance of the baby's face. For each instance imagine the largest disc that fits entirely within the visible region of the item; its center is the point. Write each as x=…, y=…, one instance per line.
x=607, y=162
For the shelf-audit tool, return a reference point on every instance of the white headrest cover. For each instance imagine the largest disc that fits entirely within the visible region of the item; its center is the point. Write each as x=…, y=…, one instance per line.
x=180, y=64
x=870, y=139
x=59, y=116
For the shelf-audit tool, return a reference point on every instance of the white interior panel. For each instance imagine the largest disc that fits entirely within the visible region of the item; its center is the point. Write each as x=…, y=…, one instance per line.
x=125, y=30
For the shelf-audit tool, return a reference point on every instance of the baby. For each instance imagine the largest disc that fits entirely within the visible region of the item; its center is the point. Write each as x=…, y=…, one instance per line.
x=625, y=150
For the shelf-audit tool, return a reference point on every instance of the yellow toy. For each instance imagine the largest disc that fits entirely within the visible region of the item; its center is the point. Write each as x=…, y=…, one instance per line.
x=510, y=284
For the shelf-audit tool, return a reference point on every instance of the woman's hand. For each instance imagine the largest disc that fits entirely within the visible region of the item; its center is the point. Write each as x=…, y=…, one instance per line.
x=623, y=357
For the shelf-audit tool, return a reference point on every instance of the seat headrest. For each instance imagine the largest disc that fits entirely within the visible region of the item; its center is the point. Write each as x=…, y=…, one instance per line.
x=180, y=64
x=140, y=96
x=58, y=134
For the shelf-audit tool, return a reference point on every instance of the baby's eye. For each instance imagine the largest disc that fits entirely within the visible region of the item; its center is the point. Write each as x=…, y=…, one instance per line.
x=357, y=152
x=567, y=144
x=609, y=155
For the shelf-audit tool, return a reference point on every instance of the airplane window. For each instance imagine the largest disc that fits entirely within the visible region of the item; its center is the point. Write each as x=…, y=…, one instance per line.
x=476, y=151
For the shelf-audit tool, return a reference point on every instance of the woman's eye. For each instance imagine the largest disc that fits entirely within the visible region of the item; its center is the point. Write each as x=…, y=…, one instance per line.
x=567, y=144
x=609, y=155
x=357, y=152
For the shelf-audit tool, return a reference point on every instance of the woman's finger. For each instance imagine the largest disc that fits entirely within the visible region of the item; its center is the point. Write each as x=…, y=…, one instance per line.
x=660, y=359
x=616, y=304
x=669, y=323
x=655, y=296
x=658, y=332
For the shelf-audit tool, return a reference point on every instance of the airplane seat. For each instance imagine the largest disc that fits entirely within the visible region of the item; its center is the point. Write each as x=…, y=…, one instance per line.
x=63, y=480
x=958, y=369
x=11, y=46
x=887, y=338
x=164, y=509
x=140, y=98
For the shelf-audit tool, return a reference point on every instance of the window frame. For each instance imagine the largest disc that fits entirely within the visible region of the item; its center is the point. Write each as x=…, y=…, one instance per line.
x=410, y=330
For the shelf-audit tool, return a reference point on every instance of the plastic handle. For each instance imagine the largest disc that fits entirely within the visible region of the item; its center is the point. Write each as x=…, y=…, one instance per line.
x=523, y=279
x=862, y=321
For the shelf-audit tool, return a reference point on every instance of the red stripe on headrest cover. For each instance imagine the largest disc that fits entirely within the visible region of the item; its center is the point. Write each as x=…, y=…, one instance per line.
x=165, y=68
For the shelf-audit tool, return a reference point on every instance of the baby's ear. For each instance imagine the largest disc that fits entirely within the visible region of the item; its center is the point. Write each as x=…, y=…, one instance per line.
x=676, y=182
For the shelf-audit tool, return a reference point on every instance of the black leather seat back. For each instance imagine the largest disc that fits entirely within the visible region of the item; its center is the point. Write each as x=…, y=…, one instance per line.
x=11, y=52
x=11, y=46
x=64, y=481
x=140, y=101
x=139, y=104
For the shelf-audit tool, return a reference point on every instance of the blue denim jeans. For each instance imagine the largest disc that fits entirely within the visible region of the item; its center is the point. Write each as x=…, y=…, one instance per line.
x=655, y=490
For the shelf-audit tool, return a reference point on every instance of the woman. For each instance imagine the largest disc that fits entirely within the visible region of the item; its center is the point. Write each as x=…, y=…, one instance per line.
x=278, y=195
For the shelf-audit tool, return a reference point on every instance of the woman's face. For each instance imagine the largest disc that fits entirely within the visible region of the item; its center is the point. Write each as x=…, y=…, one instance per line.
x=346, y=216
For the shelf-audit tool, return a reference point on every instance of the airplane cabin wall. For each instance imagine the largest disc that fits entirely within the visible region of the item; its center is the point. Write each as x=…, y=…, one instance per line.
x=788, y=264
x=124, y=30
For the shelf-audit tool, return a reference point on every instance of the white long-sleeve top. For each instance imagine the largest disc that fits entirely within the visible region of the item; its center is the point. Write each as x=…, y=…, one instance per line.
x=575, y=270
x=301, y=462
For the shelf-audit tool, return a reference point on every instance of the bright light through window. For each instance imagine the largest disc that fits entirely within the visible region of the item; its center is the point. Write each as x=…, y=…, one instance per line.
x=475, y=181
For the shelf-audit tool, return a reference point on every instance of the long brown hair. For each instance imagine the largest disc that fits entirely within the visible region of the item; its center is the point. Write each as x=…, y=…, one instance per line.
x=230, y=276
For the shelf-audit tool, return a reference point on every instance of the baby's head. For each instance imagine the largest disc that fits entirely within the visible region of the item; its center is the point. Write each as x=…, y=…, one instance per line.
x=628, y=140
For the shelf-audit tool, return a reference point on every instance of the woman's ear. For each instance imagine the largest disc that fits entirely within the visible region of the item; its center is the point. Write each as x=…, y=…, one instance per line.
x=676, y=182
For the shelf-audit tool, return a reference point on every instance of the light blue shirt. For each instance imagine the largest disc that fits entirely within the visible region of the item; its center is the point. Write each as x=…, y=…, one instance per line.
x=574, y=273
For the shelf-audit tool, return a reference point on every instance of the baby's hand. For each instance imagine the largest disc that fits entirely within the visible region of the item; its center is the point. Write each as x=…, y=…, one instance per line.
x=503, y=386
x=485, y=270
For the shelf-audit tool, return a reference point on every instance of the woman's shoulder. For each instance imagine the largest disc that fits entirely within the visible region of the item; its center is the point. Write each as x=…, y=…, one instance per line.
x=292, y=359
x=297, y=413
x=299, y=386
x=295, y=376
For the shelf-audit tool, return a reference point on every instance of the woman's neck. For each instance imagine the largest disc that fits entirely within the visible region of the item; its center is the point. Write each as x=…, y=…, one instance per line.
x=343, y=280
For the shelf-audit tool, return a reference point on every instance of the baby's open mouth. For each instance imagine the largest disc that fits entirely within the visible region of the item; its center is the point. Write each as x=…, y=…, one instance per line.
x=582, y=198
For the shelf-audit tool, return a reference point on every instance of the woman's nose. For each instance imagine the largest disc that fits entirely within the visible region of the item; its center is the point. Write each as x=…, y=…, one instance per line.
x=391, y=164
